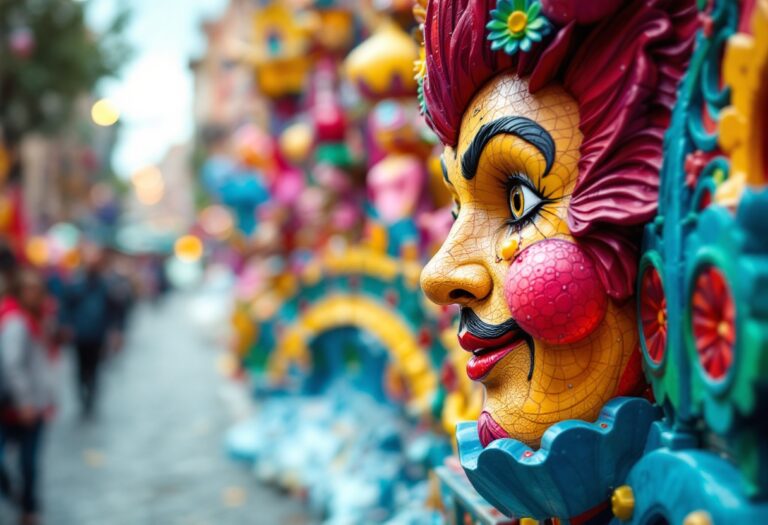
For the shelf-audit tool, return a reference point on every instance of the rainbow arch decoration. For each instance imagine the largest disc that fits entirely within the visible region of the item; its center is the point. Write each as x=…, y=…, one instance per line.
x=365, y=313
x=358, y=287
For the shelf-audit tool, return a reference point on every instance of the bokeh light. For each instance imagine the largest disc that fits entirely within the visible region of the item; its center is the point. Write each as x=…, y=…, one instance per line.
x=148, y=185
x=188, y=248
x=216, y=221
x=105, y=113
x=37, y=251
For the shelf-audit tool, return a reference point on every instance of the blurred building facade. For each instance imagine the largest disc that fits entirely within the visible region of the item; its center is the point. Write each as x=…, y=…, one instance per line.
x=225, y=93
x=60, y=171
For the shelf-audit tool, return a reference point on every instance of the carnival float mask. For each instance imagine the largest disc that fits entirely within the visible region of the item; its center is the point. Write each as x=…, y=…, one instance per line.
x=548, y=343
x=552, y=156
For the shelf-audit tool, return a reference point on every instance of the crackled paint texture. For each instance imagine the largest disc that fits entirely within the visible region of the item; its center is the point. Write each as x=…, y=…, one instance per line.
x=571, y=379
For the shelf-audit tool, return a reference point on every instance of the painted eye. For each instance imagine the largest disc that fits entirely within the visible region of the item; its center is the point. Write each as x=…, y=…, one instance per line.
x=522, y=200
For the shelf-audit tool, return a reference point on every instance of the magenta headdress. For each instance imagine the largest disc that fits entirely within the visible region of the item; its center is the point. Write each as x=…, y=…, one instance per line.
x=621, y=61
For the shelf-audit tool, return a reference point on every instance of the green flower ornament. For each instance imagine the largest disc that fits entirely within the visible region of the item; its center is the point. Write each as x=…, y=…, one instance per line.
x=516, y=25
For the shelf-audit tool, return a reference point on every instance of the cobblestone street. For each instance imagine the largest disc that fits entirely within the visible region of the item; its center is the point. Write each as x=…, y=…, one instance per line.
x=154, y=453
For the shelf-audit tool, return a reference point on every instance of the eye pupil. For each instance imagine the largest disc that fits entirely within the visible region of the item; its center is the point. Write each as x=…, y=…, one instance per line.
x=523, y=201
x=517, y=202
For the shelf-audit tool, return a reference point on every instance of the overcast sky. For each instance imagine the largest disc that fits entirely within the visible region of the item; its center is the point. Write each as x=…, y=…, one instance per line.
x=154, y=91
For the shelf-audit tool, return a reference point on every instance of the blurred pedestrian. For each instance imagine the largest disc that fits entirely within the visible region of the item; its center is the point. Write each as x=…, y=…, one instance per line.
x=87, y=317
x=122, y=294
x=27, y=383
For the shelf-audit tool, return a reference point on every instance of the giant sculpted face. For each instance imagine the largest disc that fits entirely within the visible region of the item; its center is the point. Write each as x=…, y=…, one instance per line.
x=511, y=261
x=542, y=255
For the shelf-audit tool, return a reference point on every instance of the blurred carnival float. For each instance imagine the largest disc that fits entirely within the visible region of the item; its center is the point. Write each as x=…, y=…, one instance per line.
x=327, y=207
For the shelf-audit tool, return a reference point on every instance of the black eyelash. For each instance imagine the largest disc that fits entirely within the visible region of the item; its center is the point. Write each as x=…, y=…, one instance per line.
x=519, y=178
x=515, y=225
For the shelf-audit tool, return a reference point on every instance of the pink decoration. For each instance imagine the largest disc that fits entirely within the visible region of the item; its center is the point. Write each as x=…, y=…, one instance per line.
x=330, y=122
x=553, y=292
x=694, y=165
x=255, y=148
x=250, y=282
x=327, y=112
x=287, y=186
x=395, y=187
x=332, y=178
x=346, y=215
x=489, y=430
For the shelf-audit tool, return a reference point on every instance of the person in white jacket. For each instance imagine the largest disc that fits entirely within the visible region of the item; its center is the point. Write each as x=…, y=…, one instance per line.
x=25, y=376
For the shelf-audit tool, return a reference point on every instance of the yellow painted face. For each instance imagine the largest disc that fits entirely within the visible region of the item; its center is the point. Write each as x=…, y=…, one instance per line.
x=549, y=344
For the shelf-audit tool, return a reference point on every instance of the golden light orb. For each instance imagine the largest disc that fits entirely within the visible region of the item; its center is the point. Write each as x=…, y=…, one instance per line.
x=188, y=248
x=105, y=113
x=37, y=251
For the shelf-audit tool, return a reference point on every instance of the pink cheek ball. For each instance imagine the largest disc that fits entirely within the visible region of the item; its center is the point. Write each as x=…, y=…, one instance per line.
x=554, y=292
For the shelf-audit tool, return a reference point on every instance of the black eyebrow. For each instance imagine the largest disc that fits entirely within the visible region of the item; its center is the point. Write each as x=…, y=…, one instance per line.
x=445, y=171
x=522, y=127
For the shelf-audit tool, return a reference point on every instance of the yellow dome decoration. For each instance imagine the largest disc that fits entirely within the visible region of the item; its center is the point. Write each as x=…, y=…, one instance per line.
x=382, y=66
x=280, y=51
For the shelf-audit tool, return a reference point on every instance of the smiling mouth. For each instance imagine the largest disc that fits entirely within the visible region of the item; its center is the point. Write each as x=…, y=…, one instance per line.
x=490, y=344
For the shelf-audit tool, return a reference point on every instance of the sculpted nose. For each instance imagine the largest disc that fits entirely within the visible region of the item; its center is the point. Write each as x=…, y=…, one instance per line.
x=447, y=282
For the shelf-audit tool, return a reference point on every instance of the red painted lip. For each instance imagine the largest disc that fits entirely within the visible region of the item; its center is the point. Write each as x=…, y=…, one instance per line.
x=471, y=342
x=488, y=352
